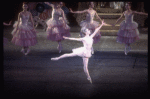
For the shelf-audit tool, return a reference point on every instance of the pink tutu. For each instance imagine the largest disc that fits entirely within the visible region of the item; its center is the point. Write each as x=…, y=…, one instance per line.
x=56, y=30
x=92, y=26
x=128, y=32
x=24, y=35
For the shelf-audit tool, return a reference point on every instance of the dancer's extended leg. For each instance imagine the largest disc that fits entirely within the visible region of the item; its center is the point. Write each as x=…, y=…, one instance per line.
x=64, y=55
x=85, y=68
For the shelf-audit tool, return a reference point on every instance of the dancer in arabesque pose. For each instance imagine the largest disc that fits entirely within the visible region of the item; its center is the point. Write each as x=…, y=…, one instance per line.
x=89, y=22
x=128, y=32
x=85, y=51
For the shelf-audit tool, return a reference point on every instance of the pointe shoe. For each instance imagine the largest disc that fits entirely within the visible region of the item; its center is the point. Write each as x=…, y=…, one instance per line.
x=89, y=79
x=22, y=51
x=92, y=52
x=54, y=59
x=27, y=52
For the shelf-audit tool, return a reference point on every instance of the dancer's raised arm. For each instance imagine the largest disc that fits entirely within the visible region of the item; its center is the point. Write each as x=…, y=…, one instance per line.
x=49, y=4
x=96, y=30
x=77, y=11
x=75, y=39
x=142, y=13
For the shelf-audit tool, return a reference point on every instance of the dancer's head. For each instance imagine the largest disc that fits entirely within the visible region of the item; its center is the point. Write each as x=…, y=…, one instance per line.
x=25, y=6
x=128, y=5
x=61, y=4
x=85, y=31
x=91, y=5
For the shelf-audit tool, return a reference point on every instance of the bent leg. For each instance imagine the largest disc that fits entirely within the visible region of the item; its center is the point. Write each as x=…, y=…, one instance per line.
x=64, y=56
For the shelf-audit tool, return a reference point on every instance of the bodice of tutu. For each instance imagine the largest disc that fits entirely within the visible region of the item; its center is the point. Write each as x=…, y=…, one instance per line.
x=56, y=14
x=24, y=19
x=128, y=23
x=88, y=44
x=90, y=16
x=128, y=18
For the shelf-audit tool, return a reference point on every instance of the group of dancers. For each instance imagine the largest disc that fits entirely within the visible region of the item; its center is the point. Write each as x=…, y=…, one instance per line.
x=24, y=33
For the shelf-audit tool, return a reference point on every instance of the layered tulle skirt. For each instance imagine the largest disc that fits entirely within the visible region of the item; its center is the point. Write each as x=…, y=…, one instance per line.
x=82, y=52
x=128, y=33
x=56, y=30
x=91, y=26
x=24, y=36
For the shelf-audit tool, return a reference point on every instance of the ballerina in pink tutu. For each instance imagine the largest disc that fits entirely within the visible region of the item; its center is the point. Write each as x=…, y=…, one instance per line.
x=57, y=25
x=89, y=23
x=5, y=40
x=24, y=35
x=128, y=32
x=85, y=51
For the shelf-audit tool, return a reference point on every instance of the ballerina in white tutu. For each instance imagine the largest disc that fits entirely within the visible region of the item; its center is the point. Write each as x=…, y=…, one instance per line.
x=85, y=51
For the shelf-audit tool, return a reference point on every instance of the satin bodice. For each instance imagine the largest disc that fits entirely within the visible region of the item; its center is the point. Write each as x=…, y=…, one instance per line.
x=128, y=18
x=56, y=14
x=24, y=19
x=90, y=16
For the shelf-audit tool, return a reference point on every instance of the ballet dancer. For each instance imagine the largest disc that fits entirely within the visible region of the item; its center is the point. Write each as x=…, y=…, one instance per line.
x=24, y=35
x=89, y=23
x=128, y=32
x=85, y=51
x=57, y=25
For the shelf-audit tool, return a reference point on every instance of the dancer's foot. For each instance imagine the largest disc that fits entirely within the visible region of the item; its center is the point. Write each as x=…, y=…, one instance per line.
x=125, y=50
x=129, y=48
x=89, y=78
x=92, y=52
x=22, y=50
x=27, y=52
x=55, y=58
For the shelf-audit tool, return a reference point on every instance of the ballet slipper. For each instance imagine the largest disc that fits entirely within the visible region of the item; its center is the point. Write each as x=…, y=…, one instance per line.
x=54, y=59
x=89, y=78
x=22, y=50
x=125, y=50
x=27, y=52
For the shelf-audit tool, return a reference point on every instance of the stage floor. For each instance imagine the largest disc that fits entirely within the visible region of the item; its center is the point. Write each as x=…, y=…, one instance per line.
x=112, y=72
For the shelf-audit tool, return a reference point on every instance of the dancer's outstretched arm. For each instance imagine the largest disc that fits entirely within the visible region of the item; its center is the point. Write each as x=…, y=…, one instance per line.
x=142, y=13
x=119, y=19
x=96, y=30
x=7, y=23
x=49, y=4
x=76, y=39
x=78, y=11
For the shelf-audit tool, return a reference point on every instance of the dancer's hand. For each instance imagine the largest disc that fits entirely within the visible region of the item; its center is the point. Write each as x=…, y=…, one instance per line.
x=65, y=37
x=103, y=23
x=10, y=22
x=46, y=3
x=71, y=10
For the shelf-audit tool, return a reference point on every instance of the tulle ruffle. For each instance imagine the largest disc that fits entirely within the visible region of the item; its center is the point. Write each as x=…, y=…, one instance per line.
x=89, y=25
x=56, y=30
x=126, y=35
x=53, y=23
x=128, y=26
x=82, y=52
x=24, y=36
